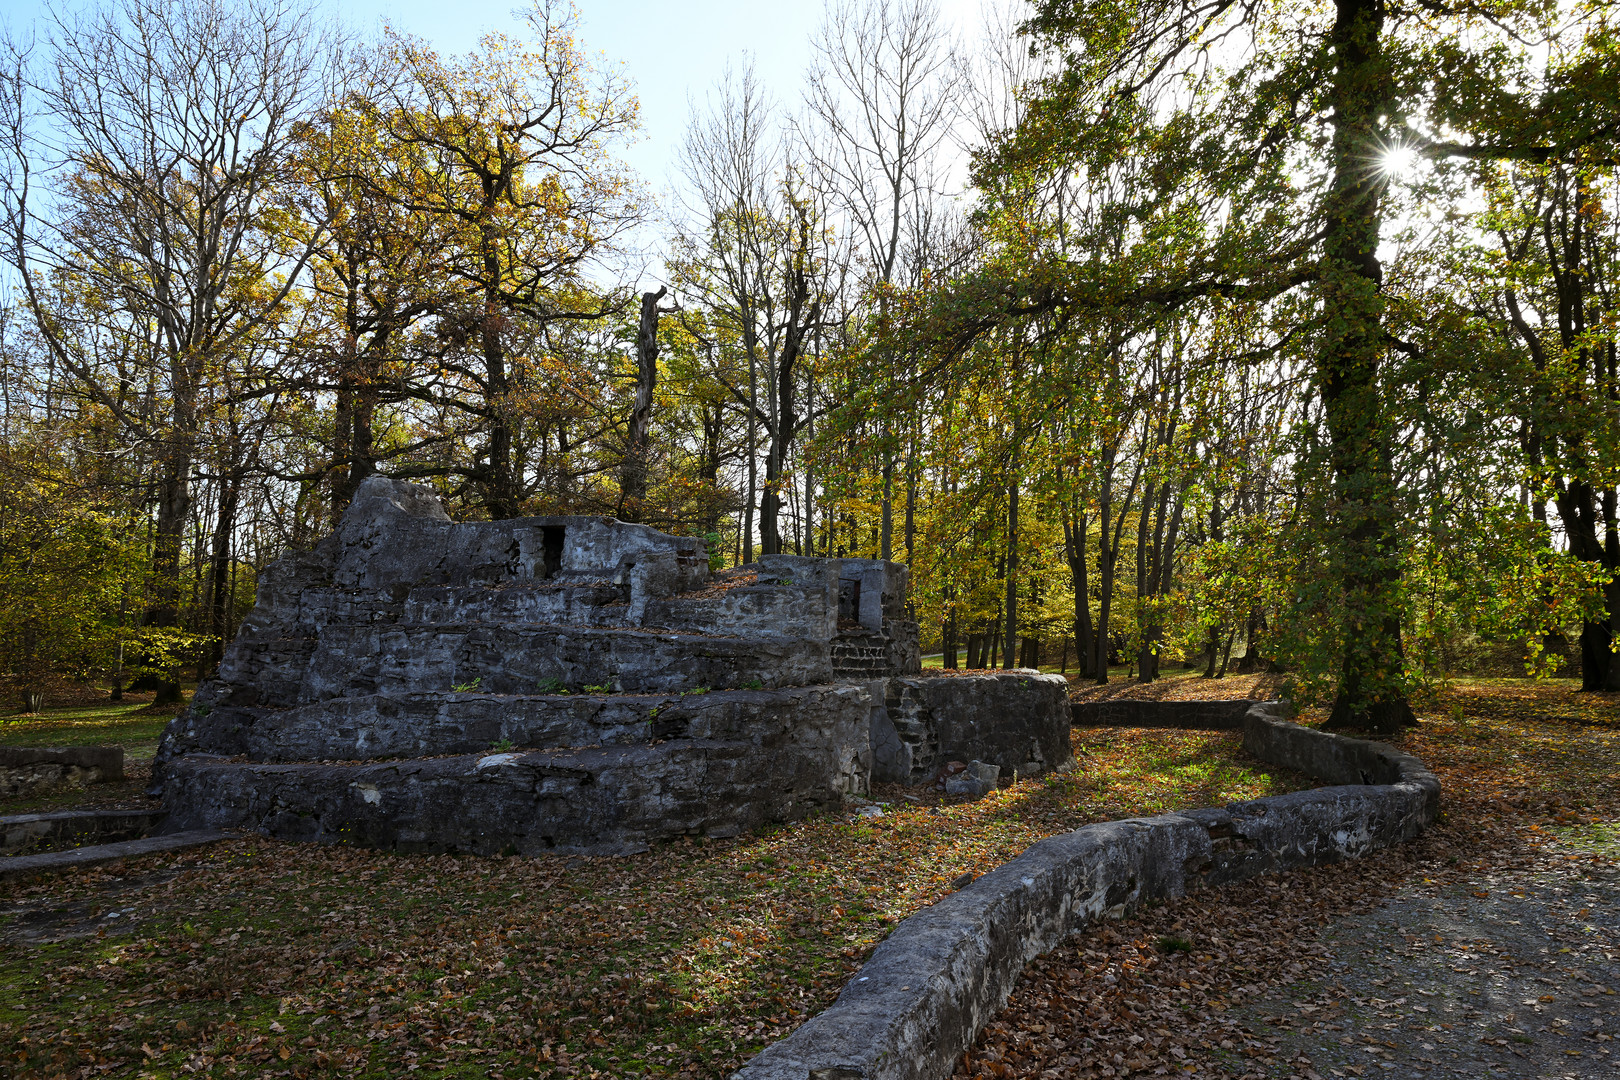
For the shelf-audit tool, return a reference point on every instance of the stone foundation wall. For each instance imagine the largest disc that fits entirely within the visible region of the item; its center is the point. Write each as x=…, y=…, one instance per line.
x=1018, y=720
x=26, y=772
x=943, y=973
x=594, y=799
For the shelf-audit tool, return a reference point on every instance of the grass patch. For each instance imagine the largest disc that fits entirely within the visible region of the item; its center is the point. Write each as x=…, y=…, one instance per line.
x=132, y=725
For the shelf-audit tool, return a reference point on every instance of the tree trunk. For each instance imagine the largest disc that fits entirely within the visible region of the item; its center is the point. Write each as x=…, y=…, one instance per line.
x=499, y=486
x=174, y=507
x=1076, y=528
x=219, y=567
x=886, y=526
x=1011, y=628
x=1578, y=509
x=633, y=482
x=1372, y=683
x=1253, y=661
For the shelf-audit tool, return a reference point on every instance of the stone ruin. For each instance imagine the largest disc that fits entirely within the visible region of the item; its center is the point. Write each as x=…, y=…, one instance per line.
x=574, y=684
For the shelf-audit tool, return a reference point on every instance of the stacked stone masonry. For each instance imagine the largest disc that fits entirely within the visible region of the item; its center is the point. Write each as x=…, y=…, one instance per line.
x=566, y=684
x=932, y=985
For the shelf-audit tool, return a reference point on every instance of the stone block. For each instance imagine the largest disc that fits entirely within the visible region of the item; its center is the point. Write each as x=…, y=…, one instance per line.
x=1018, y=721
x=29, y=771
x=976, y=781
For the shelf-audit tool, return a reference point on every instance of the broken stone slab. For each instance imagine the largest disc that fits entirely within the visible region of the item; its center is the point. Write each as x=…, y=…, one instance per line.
x=17, y=867
x=30, y=771
x=976, y=781
x=932, y=985
x=21, y=831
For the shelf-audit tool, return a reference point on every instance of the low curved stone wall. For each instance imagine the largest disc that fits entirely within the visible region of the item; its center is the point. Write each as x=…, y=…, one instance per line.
x=934, y=983
x=1216, y=715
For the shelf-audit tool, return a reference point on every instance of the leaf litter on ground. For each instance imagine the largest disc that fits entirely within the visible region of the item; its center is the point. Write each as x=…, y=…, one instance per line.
x=256, y=957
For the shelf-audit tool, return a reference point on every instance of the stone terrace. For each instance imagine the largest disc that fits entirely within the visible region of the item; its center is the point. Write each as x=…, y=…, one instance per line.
x=565, y=683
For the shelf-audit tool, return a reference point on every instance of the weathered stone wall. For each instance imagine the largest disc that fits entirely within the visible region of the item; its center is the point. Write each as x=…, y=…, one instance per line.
x=1124, y=712
x=755, y=758
x=1018, y=720
x=942, y=974
x=27, y=771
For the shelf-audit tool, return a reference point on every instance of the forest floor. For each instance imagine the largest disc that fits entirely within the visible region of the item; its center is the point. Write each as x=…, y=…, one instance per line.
x=254, y=957
x=1490, y=947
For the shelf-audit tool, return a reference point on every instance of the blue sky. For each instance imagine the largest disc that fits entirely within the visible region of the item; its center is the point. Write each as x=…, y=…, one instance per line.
x=672, y=51
x=669, y=50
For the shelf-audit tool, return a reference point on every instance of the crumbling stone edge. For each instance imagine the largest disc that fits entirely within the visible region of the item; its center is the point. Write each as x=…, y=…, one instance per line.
x=934, y=983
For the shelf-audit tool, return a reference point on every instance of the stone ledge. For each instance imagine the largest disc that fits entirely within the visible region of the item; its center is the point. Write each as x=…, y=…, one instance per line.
x=1127, y=712
x=936, y=981
x=22, y=866
x=20, y=831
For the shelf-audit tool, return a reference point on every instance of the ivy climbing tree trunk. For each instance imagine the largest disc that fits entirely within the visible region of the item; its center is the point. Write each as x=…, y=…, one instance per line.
x=633, y=483
x=1372, y=688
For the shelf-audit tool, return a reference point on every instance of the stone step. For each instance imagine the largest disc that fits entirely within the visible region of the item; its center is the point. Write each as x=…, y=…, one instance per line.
x=511, y=658
x=773, y=609
x=597, y=799
x=410, y=725
x=15, y=867
x=22, y=831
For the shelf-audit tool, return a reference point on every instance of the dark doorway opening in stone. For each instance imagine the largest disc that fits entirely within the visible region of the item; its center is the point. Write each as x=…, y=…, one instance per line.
x=849, y=600
x=551, y=549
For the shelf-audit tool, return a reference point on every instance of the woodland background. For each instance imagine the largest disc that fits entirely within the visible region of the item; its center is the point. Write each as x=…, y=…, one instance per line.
x=1279, y=335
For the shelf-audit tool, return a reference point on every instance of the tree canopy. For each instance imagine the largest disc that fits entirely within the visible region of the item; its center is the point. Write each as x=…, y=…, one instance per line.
x=1264, y=336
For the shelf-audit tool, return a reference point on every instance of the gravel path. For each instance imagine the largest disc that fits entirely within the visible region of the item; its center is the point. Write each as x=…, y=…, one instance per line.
x=1486, y=951
x=1512, y=974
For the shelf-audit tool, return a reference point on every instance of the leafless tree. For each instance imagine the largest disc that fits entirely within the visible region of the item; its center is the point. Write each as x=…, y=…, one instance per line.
x=147, y=165
x=881, y=94
x=757, y=255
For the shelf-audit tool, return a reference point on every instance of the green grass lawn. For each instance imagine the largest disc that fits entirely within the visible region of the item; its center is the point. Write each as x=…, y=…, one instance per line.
x=132, y=725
